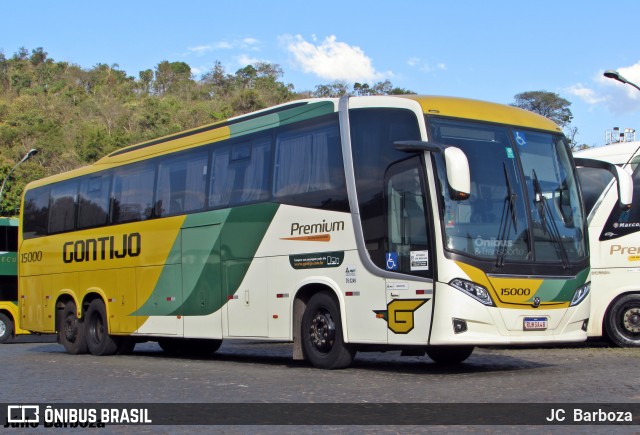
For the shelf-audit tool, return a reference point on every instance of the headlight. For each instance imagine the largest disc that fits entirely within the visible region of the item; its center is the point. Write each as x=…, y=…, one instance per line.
x=476, y=291
x=580, y=294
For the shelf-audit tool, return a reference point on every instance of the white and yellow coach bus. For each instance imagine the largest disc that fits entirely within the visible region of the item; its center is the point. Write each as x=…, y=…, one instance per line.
x=614, y=233
x=422, y=224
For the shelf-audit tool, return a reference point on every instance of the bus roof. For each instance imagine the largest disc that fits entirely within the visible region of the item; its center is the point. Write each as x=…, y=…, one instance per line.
x=483, y=111
x=300, y=110
x=618, y=153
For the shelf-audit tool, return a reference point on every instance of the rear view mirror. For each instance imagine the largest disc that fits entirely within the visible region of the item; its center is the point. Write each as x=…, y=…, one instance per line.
x=458, y=172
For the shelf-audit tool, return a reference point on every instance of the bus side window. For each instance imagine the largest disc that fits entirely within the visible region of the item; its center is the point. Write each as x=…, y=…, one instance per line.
x=624, y=222
x=181, y=184
x=62, y=210
x=132, y=196
x=36, y=212
x=309, y=168
x=93, y=203
x=593, y=181
x=240, y=172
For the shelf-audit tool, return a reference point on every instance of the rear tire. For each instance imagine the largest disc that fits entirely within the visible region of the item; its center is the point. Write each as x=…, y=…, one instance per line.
x=71, y=330
x=99, y=342
x=449, y=355
x=622, y=322
x=6, y=328
x=321, y=331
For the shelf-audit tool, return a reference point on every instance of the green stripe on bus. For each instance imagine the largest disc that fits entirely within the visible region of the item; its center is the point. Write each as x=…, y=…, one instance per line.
x=557, y=290
x=216, y=249
x=296, y=114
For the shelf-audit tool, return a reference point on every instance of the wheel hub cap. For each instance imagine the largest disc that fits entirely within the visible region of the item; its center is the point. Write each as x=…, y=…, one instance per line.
x=70, y=329
x=322, y=331
x=631, y=320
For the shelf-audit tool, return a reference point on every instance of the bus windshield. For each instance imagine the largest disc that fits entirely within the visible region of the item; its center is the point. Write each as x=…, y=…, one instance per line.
x=524, y=204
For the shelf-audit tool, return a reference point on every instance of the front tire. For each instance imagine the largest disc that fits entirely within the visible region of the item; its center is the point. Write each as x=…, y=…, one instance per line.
x=71, y=330
x=99, y=342
x=322, y=339
x=6, y=328
x=622, y=322
x=449, y=355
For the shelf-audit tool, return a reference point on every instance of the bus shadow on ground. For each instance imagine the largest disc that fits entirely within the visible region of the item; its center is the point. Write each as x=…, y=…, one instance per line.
x=279, y=354
x=483, y=360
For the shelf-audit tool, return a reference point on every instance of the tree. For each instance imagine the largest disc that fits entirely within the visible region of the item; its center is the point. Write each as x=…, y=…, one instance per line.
x=547, y=104
x=341, y=88
x=172, y=77
x=552, y=106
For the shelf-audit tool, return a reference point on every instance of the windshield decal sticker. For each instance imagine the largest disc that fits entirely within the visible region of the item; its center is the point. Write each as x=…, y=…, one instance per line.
x=510, y=153
x=520, y=138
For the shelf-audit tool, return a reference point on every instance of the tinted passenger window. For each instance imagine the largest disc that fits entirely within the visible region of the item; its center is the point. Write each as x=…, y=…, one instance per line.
x=132, y=196
x=8, y=239
x=309, y=170
x=593, y=181
x=624, y=222
x=36, y=212
x=308, y=161
x=240, y=172
x=181, y=184
x=62, y=211
x=93, y=202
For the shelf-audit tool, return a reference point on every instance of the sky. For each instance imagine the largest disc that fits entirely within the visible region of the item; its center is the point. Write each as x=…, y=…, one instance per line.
x=487, y=50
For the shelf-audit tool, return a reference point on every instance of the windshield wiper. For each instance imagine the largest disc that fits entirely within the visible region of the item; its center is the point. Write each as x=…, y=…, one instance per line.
x=509, y=207
x=549, y=223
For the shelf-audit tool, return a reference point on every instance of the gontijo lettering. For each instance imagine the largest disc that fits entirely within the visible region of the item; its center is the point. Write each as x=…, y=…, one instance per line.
x=102, y=248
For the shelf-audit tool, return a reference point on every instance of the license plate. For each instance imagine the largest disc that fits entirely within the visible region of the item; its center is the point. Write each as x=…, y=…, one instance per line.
x=535, y=323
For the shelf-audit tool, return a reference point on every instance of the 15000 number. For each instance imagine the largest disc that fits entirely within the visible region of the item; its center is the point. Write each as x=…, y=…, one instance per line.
x=515, y=291
x=31, y=257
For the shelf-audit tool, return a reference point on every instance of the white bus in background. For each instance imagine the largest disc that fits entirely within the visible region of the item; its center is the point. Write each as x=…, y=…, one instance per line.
x=614, y=234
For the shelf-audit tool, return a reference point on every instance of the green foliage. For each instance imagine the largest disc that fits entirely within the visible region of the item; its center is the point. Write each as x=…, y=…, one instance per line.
x=552, y=106
x=548, y=104
x=74, y=116
x=340, y=88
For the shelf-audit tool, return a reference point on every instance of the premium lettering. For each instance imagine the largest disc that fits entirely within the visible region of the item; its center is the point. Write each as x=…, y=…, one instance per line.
x=322, y=227
x=102, y=248
x=624, y=250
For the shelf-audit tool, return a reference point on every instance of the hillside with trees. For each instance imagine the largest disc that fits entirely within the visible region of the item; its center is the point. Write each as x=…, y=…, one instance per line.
x=74, y=116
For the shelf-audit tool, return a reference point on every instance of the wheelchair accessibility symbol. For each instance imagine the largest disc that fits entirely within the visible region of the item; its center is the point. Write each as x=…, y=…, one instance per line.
x=392, y=260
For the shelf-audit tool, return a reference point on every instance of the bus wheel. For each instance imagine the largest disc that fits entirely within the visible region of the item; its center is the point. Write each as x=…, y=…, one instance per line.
x=6, y=328
x=99, y=341
x=449, y=354
x=322, y=339
x=71, y=330
x=622, y=323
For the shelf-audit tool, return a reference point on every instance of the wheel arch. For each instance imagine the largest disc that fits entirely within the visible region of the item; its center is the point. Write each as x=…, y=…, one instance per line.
x=61, y=301
x=9, y=313
x=11, y=318
x=301, y=299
